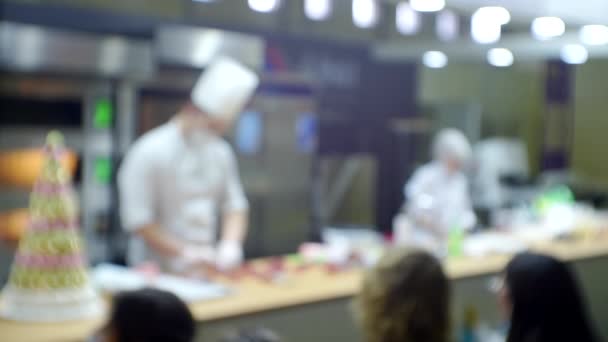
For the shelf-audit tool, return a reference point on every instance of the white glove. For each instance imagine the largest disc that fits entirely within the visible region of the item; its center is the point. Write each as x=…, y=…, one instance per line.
x=191, y=256
x=229, y=255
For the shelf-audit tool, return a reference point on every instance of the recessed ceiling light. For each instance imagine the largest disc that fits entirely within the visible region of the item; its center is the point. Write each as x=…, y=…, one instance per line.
x=434, y=59
x=544, y=28
x=485, y=32
x=264, y=6
x=407, y=20
x=447, y=25
x=365, y=13
x=486, y=24
x=574, y=54
x=500, y=57
x=317, y=9
x=594, y=34
x=497, y=14
x=427, y=5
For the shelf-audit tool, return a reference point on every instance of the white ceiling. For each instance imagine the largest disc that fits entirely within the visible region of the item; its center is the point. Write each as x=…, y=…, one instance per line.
x=574, y=12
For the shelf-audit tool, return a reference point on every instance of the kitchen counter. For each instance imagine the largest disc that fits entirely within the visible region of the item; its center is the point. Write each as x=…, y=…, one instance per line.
x=315, y=292
x=318, y=284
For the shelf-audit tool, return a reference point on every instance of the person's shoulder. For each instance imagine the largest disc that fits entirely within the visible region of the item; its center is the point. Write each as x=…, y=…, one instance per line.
x=429, y=169
x=152, y=143
x=156, y=136
x=223, y=147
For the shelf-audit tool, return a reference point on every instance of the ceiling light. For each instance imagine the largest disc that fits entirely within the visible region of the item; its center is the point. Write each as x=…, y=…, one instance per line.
x=317, y=9
x=264, y=6
x=434, y=59
x=497, y=14
x=574, y=54
x=485, y=32
x=427, y=5
x=500, y=57
x=544, y=28
x=365, y=13
x=594, y=34
x=486, y=24
x=407, y=20
x=447, y=25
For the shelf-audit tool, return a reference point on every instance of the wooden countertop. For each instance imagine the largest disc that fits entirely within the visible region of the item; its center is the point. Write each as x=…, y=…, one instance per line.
x=296, y=288
x=317, y=284
x=48, y=332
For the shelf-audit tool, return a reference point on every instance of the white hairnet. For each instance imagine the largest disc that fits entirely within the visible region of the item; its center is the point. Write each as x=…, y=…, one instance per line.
x=451, y=143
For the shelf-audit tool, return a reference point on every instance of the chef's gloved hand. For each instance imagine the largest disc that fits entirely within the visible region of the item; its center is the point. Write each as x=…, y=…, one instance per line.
x=192, y=256
x=229, y=255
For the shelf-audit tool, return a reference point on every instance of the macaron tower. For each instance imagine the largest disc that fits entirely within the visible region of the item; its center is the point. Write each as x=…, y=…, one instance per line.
x=49, y=279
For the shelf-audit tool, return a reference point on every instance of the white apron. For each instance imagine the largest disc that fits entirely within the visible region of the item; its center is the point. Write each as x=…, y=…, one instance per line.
x=182, y=184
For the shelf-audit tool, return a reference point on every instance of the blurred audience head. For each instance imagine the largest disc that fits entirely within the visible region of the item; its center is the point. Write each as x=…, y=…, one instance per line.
x=252, y=335
x=149, y=315
x=405, y=298
x=452, y=149
x=543, y=300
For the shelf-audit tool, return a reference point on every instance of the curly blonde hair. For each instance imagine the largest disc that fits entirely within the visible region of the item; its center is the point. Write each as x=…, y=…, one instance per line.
x=405, y=298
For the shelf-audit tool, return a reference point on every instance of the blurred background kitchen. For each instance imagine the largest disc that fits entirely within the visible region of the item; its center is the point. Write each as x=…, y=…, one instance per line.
x=352, y=92
x=351, y=95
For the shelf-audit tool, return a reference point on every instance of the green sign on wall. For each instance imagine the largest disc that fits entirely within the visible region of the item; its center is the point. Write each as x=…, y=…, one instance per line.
x=103, y=114
x=103, y=170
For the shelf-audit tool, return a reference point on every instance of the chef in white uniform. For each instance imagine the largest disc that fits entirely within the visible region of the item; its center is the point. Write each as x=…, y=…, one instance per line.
x=180, y=180
x=437, y=196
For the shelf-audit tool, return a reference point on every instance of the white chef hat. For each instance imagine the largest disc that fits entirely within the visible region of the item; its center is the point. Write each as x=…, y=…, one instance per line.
x=452, y=143
x=224, y=88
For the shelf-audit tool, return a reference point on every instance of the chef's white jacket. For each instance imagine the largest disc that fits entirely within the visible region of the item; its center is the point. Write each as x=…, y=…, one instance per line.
x=440, y=197
x=181, y=184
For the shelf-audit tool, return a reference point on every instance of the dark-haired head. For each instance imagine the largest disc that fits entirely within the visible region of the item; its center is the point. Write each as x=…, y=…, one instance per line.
x=150, y=315
x=545, y=301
